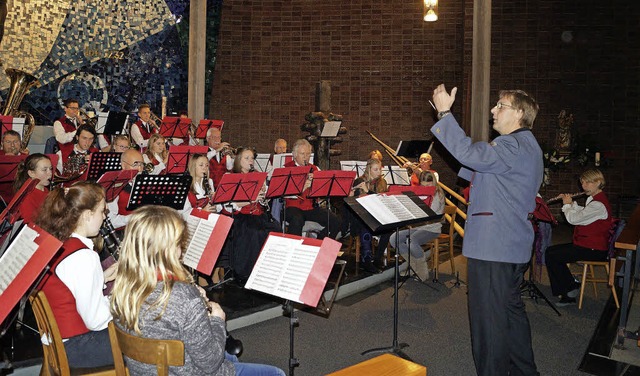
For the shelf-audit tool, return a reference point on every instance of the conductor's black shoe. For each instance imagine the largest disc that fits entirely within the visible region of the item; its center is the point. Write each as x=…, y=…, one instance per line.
x=369, y=267
x=565, y=301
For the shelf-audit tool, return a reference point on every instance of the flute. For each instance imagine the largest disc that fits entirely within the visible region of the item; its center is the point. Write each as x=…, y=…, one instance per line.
x=559, y=197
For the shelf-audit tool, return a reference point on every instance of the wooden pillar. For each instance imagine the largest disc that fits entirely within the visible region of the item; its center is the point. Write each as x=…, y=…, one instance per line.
x=197, y=53
x=480, y=72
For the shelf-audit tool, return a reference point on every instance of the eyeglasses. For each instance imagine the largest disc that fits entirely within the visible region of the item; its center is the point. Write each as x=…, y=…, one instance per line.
x=499, y=105
x=73, y=108
x=135, y=164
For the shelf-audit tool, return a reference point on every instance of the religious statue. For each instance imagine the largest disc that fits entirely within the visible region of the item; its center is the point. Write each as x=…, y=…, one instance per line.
x=563, y=139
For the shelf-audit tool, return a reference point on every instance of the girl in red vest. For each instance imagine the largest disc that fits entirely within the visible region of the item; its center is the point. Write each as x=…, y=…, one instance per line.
x=36, y=166
x=590, y=236
x=156, y=154
x=75, y=283
x=201, y=186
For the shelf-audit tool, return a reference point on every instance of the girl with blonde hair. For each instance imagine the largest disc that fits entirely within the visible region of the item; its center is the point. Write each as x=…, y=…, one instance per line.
x=156, y=153
x=154, y=297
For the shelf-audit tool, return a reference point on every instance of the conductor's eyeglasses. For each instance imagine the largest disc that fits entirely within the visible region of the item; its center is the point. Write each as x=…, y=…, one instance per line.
x=499, y=105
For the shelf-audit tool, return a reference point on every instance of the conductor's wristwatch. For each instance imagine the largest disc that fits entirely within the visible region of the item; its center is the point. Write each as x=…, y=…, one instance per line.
x=442, y=114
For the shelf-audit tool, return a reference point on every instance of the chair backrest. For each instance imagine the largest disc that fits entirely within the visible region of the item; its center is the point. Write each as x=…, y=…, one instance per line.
x=617, y=225
x=55, y=357
x=451, y=211
x=161, y=352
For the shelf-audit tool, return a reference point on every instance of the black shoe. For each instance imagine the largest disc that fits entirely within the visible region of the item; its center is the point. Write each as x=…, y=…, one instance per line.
x=233, y=346
x=369, y=267
x=574, y=290
x=380, y=264
x=565, y=301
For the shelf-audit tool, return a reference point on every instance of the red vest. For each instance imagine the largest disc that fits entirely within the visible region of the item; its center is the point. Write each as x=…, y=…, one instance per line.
x=302, y=202
x=62, y=302
x=143, y=130
x=595, y=235
x=123, y=200
x=69, y=127
x=217, y=169
x=29, y=207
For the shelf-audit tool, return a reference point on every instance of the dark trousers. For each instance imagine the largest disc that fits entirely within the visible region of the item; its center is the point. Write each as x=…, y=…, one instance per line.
x=500, y=332
x=92, y=349
x=297, y=217
x=557, y=257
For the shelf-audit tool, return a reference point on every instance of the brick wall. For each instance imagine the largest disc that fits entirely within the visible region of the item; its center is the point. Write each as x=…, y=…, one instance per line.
x=384, y=61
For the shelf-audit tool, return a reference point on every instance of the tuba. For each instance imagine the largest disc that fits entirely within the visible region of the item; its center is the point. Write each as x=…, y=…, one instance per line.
x=20, y=83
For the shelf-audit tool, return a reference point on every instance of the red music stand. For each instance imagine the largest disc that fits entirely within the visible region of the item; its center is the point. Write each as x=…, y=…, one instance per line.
x=101, y=163
x=287, y=181
x=179, y=157
x=175, y=127
x=114, y=181
x=239, y=187
x=206, y=124
x=332, y=183
x=6, y=124
x=8, y=168
x=10, y=213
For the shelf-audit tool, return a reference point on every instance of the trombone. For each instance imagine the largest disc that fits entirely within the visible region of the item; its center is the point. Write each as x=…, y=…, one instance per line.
x=401, y=161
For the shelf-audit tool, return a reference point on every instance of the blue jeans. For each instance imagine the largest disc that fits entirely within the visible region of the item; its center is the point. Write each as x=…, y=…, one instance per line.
x=253, y=369
x=91, y=349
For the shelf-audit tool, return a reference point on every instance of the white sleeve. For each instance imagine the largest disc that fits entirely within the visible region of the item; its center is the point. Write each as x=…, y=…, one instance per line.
x=102, y=141
x=117, y=220
x=82, y=273
x=137, y=136
x=582, y=216
x=177, y=141
x=60, y=134
x=59, y=165
x=229, y=163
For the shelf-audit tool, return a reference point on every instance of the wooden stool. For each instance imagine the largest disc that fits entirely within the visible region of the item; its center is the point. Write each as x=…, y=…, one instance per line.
x=383, y=365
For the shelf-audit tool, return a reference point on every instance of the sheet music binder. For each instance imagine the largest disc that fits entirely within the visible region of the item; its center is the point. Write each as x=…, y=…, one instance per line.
x=297, y=273
x=179, y=155
x=376, y=226
x=331, y=183
x=287, y=181
x=202, y=253
x=22, y=263
x=175, y=127
x=424, y=192
x=101, y=163
x=239, y=187
x=165, y=190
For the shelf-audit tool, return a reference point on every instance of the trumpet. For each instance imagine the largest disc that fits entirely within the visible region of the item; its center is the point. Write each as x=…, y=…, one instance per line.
x=155, y=121
x=84, y=118
x=559, y=197
x=229, y=150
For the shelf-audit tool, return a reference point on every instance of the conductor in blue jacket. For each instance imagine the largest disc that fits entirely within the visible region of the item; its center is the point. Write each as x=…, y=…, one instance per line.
x=504, y=176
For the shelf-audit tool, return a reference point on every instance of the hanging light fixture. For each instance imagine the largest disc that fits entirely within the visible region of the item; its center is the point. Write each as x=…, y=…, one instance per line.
x=430, y=11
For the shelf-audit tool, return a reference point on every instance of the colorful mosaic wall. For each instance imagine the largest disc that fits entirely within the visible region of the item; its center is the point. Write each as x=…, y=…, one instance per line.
x=110, y=54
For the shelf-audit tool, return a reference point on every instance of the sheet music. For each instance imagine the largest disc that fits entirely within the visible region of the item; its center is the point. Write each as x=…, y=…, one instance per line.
x=262, y=164
x=357, y=166
x=283, y=267
x=17, y=256
x=391, y=209
x=396, y=175
x=199, y=233
x=330, y=128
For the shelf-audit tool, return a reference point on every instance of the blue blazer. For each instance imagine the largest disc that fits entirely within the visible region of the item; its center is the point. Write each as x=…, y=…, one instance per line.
x=505, y=176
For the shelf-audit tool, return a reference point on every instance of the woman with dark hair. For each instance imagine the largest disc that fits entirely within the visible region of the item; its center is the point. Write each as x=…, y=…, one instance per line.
x=36, y=166
x=74, y=287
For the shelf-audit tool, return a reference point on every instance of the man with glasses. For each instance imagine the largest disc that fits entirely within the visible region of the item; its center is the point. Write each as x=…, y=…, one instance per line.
x=219, y=156
x=64, y=129
x=11, y=144
x=504, y=177
x=131, y=159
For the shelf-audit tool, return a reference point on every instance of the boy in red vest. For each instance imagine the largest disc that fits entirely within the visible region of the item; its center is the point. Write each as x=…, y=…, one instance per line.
x=64, y=129
x=590, y=236
x=142, y=129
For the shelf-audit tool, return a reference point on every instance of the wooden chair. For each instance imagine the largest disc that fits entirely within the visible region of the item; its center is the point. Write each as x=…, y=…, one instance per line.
x=609, y=267
x=445, y=239
x=55, y=360
x=161, y=352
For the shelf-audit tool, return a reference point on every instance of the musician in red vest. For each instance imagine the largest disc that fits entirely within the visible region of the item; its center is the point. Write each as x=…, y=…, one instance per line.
x=142, y=129
x=11, y=144
x=424, y=164
x=131, y=159
x=64, y=129
x=74, y=287
x=301, y=209
x=590, y=236
x=219, y=155
x=83, y=146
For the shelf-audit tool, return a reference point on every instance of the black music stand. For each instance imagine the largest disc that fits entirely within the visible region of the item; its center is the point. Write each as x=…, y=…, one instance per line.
x=413, y=148
x=114, y=181
x=175, y=127
x=331, y=183
x=376, y=226
x=111, y=123
x=165, y=190
x=101, y=163
x=287, y=181
x=179, y=156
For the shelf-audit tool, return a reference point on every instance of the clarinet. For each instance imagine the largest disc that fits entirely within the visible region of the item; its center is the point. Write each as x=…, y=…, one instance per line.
x=111, y=241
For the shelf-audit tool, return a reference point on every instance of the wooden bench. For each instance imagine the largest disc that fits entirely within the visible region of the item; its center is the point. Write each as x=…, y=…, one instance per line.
x=383, y=365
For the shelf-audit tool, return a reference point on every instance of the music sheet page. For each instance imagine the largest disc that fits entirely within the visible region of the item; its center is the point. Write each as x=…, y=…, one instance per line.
x=391, y=209
x=17, y=256
x=283, y=267
x=199, y=233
